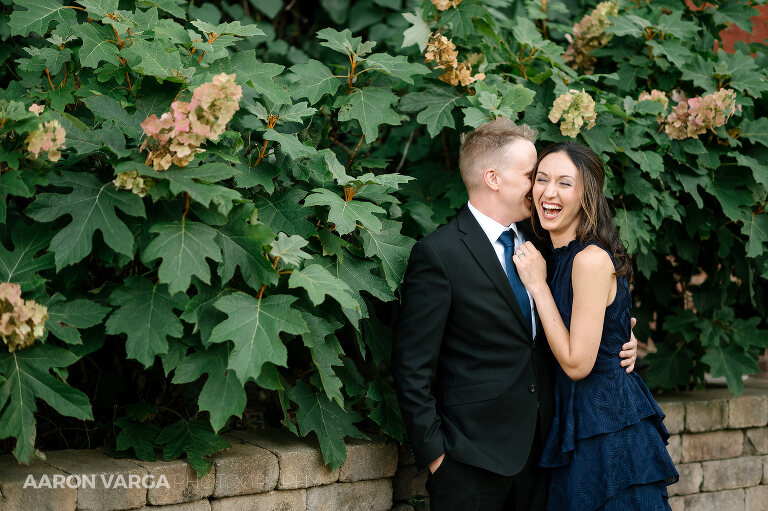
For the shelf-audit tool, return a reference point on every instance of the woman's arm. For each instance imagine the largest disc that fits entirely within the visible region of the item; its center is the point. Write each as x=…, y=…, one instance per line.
x=592, y=279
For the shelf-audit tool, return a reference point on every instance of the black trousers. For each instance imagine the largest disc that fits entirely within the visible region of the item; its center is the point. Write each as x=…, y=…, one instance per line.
x=456, y=486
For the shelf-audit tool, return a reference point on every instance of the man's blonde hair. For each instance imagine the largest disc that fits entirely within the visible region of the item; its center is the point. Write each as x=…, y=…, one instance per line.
x=481, y=148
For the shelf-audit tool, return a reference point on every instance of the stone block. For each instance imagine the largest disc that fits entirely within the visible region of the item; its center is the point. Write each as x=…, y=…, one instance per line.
x=40, y=497
x=301, y=463
x=368, y=460
x=277, y=500
x=184, y=484
x=409, y=482
x=359, y=496
x=748, y=411
x=690, y=479
x=117, y=483
x=244, y=469
x=757, y=439
x=765, y=470
x=730, y=500
x=199, y=505
x=706, y=415
x=674, y=419
x=677, y=503
x=712, y=446
x=405, y=455
x=757, y=498
x=675, y=448
x=733, y=473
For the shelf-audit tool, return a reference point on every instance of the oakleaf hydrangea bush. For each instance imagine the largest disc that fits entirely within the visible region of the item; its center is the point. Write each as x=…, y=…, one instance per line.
x=206, y=209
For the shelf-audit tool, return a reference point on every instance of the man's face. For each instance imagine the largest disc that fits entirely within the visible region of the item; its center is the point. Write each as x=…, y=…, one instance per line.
x=516, y=168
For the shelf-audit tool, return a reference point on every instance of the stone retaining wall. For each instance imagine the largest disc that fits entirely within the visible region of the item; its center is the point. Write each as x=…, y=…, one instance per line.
x=720, y=446
x=719, y=443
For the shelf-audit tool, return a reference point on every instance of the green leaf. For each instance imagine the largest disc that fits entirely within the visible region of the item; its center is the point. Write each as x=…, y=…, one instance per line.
x=175, y=8
x=254, y=325
x=288, y=249
x=99, y=8
x=755, y=130
x=196, y=439
x=295, y=113
x=343, y=42
x=732, y=199
x=327, y=419
x=392, y=248
x=759, y=168
x=673, y=24
x=222, y=395
x=357, y=273
x=627, y=25
x=435, y=107
x=633, y=229
x=755, y=228
x=242, y=245
x=28, y=377
x=96, y=45
x=419, y=31
x=734, y=11
x=460, y=20
x=20, y=265
x=397, y=66
x=673, y=49
x=11, y=183
x=283, y=211
x=139, y=436
x=183, y=247
x=669, y=367
x=145, y=314
x=249, y=70
x=52, y=59
x=38, y=15
x=315, y=80
x=649, y=161
x=290, y=145
x=370, y=106
x=732, y=362
x=700, y=71
x=109, y=109
x=231, y=28
x=387, y=414
x=346, y=214
x=319, y=282
x=201, y=312
x=66, y=317
x=151, y=58
x=325, y=353
x=198, y=183
x=92, y=206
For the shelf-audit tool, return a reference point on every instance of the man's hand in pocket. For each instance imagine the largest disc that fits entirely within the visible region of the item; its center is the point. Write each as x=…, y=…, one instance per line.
x=436, y=464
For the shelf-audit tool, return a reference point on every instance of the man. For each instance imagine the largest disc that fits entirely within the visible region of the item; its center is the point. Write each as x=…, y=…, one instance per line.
x=472, y=368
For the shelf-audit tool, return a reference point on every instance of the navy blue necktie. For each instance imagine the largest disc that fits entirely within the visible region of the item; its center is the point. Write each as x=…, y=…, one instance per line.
x=507, y=239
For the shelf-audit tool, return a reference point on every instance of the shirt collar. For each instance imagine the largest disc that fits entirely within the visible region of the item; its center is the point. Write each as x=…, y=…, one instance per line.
x=491, y=227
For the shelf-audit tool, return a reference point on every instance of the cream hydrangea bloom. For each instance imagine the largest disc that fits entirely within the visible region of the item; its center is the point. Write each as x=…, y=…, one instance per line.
x=21, y=321
x=574, y=110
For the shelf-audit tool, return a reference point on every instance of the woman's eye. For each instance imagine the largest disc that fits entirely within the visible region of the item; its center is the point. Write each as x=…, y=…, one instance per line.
x=541, y=180
x=565, y=183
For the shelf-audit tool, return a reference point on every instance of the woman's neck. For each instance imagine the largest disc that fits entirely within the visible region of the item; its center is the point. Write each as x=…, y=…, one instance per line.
x=561, y=239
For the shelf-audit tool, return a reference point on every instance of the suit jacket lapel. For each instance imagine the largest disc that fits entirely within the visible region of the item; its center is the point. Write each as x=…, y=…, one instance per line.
x=478, y=244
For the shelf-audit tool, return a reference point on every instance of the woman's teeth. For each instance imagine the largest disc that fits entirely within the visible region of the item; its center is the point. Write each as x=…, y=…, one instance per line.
x=551, y=210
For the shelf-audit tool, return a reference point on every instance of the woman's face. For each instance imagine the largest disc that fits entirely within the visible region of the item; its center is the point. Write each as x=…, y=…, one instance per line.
x=557, y=193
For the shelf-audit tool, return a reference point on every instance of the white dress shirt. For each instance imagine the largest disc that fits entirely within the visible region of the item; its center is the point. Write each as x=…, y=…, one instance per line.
x=493, y=230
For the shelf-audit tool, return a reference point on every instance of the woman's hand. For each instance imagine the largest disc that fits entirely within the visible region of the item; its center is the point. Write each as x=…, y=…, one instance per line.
x=531, y=267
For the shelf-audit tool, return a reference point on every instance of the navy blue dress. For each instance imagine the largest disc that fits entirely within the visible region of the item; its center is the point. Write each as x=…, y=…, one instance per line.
x=607, y=446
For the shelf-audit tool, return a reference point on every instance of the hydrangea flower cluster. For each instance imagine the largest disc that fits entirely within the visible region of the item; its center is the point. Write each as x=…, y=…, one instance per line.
x=175, y=138
x=36, y=109
x=49, y=138
x=132, y=181
x=692, y=117
x=657, y=96
x=442, y=5
x=576, y=109
x=441, y=50
x=589, y=34
x=21, y=321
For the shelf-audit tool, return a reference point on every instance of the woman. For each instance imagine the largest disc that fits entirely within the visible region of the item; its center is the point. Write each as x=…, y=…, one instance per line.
x=606, y=447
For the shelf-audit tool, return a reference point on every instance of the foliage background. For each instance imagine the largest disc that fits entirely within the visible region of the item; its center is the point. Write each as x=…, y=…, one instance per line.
x=266, y=271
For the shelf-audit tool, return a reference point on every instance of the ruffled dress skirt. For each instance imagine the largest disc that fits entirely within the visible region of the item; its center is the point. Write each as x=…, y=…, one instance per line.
x=607, y=446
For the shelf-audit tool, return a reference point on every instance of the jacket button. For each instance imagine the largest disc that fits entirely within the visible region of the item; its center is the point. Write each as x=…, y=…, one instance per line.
x=531, y=388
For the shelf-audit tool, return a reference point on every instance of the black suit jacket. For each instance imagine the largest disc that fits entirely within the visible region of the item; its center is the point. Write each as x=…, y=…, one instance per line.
x=469, y=378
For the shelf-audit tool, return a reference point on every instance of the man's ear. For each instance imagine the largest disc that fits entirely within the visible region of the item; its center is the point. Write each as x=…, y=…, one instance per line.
x=492, y=178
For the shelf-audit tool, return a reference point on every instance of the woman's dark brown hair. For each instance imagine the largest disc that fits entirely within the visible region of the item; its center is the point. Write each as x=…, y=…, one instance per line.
x=596, y=222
